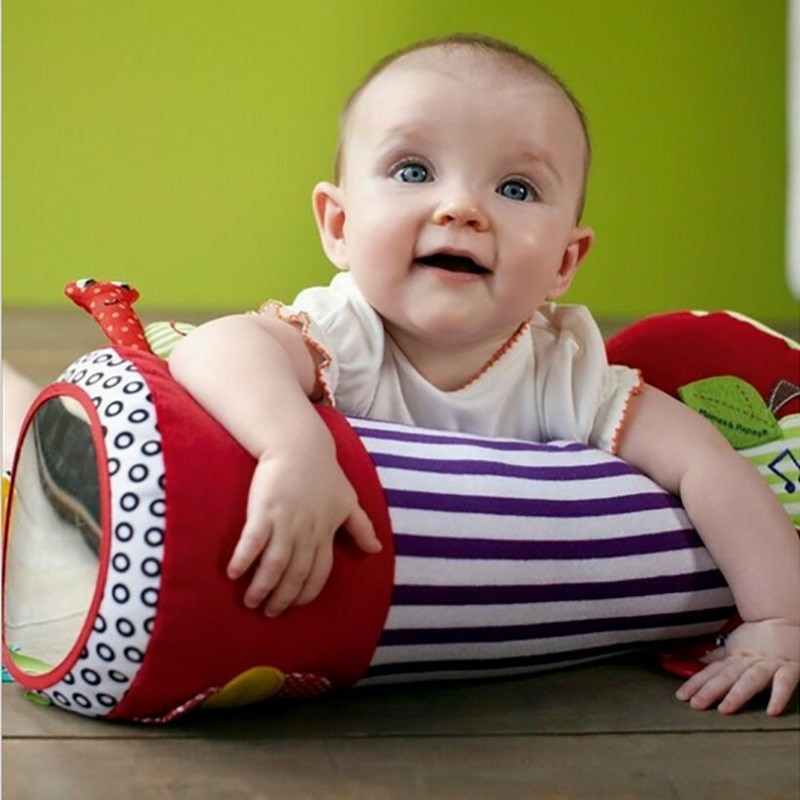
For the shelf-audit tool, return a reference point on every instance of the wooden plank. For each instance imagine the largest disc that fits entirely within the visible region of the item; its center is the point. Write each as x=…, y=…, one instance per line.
x=734, y=766
x=36, y=327
x=41, y=342
x=624, y=695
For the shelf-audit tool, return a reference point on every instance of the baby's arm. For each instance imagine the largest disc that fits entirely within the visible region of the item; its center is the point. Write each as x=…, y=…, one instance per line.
x=749, y=536
x=255, y=375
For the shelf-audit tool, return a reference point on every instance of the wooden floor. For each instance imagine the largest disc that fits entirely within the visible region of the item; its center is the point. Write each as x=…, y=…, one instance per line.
x=610, y=730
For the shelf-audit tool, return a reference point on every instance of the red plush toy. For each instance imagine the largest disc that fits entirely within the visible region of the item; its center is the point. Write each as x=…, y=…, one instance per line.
x=128, y=498
x=745, y=379
x=110, y=304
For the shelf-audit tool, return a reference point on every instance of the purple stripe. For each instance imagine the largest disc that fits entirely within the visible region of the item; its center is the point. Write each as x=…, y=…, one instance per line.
x=411, y=667
x=411, y=434
x=452, y=547
x=529, y=507
x=405, y=595
x=545, y=630
x=573, y=472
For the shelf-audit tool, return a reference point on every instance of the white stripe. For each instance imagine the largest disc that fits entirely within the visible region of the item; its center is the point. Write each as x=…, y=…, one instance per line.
x=404, y=654
x=413, y=571
x=480, y=616
x=521, y=529
x=771, y=447
x=506, y=486
x=475, y=674
x=777, y=484
x=447, y=451
x=364, y=426
x=782, y=471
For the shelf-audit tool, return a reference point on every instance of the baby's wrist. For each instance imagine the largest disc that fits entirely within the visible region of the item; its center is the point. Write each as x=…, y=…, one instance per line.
x=306, y=437
x=773, y=619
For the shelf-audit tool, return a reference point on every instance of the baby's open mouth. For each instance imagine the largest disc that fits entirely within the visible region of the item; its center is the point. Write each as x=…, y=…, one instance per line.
x=453, y=263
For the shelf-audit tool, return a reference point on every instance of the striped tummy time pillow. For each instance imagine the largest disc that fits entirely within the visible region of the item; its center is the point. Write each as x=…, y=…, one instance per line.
x=500, y=557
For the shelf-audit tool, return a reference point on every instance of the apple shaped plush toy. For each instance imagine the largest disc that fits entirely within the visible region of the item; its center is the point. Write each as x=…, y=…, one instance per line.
x=741, y=376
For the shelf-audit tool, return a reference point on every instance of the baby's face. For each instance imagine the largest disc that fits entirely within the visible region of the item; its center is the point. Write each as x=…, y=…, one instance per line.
x=461, y=183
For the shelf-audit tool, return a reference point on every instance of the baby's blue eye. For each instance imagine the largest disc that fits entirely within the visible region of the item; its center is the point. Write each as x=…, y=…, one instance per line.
x=517, y=190
x=411, y=173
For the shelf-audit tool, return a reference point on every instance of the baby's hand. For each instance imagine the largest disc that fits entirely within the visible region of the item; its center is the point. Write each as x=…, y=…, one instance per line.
x=754, y=656
x=295, y=507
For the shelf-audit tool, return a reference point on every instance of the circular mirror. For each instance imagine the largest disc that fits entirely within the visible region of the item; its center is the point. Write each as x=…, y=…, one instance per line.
x=52, y=555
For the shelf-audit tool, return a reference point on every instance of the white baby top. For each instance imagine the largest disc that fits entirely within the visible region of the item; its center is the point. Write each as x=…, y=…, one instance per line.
x=551, y=381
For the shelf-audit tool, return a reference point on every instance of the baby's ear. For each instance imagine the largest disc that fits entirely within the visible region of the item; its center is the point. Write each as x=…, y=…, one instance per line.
x=329, y=213
x=580, y=242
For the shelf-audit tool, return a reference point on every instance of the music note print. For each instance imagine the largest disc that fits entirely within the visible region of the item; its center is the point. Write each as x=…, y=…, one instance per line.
x=789, y=486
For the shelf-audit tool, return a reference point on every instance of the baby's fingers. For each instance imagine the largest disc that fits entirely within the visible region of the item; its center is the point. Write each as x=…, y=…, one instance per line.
x=359, y=526
x=753, y=680
x=274, y=563
x=251, y=544
x=290, y=582
x=691, y=688
x=318, y=577
x=732, y=683
x=783, y=685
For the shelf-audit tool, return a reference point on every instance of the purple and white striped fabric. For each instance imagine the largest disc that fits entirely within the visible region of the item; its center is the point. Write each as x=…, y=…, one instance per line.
x=512, y=557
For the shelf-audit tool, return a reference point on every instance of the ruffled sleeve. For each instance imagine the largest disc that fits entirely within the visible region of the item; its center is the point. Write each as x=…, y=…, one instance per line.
x=581, y=396
x=346, y=337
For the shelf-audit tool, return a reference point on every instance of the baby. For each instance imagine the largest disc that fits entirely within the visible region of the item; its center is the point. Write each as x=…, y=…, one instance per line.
x=455, y=220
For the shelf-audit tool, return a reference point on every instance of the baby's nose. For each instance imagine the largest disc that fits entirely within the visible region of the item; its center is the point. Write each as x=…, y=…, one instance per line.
x=461, y=211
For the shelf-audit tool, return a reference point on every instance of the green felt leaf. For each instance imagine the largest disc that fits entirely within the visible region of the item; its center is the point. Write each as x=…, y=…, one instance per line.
x=37, y=697
x=33, y=666
x=735, y=408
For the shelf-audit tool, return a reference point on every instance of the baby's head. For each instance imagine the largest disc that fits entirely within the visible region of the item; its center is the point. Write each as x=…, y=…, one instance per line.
x=473, y=52
x=461, y=173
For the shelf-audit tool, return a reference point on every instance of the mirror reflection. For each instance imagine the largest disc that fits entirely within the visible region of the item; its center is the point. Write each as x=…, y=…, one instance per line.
x=54, y=535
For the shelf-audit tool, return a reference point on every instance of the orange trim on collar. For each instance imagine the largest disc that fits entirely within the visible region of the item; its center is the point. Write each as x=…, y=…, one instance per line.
x=322, y=358
x=509, y=344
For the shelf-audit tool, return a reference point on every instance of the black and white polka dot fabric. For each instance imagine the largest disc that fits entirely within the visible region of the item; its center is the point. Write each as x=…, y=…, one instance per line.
x=112, y=655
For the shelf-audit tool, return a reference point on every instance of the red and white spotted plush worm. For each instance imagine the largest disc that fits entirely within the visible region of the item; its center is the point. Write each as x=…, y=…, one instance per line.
x=111, y=305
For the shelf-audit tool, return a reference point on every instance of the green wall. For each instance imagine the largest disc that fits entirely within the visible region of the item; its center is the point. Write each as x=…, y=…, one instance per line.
x=174, y=143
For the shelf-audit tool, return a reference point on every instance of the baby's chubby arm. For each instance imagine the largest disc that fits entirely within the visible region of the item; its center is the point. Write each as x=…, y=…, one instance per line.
x=749, y=536
x=255, y=374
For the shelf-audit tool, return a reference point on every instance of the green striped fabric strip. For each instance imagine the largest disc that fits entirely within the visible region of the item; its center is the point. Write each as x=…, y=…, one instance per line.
x=163, y=336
